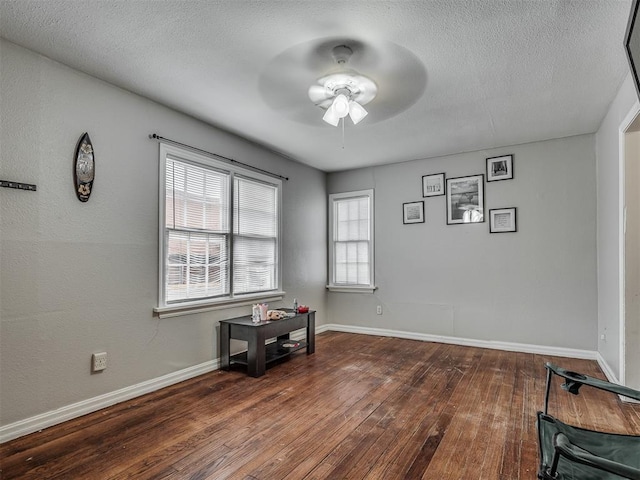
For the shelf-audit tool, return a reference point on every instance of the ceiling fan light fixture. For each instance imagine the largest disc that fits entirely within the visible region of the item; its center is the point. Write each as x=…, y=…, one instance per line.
x=341, y=105
x=331, y=117
x=356, y=112
x=343, y=92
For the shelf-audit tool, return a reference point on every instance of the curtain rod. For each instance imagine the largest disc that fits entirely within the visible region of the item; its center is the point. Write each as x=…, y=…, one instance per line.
x=222, y=157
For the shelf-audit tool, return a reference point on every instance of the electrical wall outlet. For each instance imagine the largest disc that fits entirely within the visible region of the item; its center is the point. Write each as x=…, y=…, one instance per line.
x=98, y=361
x=379, y=309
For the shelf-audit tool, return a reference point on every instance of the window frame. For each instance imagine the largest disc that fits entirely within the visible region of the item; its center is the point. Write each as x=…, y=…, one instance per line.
x=169, y=309
x=334, y=198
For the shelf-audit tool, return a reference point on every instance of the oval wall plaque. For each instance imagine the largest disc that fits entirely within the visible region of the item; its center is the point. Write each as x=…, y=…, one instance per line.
x=84, y=168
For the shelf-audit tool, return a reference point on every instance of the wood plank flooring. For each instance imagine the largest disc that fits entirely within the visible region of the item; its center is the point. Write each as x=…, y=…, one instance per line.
x=361, y=407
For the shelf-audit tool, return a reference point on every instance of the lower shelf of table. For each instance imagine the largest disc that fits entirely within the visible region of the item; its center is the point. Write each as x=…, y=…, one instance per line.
x=274, y=351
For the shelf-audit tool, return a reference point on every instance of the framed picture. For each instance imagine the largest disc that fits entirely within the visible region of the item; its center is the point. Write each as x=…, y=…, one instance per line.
x=502, y=220
x=499, y=168
x=433, y=185
x=413, y=212
x=465, y=200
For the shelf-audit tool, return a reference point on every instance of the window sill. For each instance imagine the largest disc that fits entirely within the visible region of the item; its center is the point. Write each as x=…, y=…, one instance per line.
x=179, y=310
x=351, y=288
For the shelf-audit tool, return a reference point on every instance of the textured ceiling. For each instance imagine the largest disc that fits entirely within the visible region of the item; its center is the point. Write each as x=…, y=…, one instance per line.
x=453, y=75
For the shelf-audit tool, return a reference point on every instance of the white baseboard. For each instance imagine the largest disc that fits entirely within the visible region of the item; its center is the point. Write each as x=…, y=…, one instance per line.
x=54, y=417
x=468, y=342
x=606, y=369
x=608, y=372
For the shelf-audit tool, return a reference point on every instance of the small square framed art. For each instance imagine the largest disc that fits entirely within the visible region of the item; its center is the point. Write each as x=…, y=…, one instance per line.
x=413, y=212
x=499, y=168
x=433, y=185
x=502, y=220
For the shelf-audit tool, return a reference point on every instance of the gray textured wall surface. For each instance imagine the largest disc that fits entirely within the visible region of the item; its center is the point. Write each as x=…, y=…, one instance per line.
x=536, y=286
x=78, y=278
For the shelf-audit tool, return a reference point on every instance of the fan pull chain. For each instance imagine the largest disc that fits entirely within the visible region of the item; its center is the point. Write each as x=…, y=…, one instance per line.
x=343, y=133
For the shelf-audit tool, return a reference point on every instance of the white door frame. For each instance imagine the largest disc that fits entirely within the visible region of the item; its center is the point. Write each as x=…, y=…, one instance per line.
x=624, y=127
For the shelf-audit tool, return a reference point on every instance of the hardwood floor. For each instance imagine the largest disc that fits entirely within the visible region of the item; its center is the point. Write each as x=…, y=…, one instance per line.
x=361, y=407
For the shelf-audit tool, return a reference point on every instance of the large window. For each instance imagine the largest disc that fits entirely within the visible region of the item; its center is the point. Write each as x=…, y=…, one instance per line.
x=219, y=231
x=351, y=241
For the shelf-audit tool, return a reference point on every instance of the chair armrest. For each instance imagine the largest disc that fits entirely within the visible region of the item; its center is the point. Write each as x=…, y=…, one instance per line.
x=567, y=449
x=576, y=380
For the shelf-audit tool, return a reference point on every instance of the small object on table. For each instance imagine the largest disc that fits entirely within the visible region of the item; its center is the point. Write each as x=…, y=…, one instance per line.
x=255, y=314
x=303, y=309
x=276, y=314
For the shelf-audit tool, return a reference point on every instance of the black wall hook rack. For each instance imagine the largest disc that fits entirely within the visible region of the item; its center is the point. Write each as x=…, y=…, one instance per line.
x=18, y=185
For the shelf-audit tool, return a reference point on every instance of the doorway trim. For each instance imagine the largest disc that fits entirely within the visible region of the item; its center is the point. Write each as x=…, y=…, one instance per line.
x=631, y=116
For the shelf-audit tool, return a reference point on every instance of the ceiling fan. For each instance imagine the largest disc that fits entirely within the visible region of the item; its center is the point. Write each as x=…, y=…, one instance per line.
x=323, y=69
x=343, y=92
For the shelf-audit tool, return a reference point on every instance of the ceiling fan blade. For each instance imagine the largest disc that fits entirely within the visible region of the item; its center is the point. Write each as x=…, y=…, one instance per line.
x=318, y=94
x=325, y=103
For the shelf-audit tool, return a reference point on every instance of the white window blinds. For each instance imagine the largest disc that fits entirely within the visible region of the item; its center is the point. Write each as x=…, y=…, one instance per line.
x=255, y=230
x=352, y=239
x=219, y=232
x=197, y=231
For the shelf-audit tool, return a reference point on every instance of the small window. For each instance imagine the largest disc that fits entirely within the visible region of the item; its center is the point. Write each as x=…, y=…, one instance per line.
x=219, y=231
x=351, y=241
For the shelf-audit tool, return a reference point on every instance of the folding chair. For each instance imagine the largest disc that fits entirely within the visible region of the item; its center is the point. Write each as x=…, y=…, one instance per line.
x=569, y=452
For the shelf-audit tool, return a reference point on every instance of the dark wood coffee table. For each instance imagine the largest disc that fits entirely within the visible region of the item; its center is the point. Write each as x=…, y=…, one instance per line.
x=259, y=354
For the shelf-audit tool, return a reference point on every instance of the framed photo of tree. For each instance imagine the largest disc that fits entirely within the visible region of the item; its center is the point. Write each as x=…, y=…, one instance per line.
x=465, y=200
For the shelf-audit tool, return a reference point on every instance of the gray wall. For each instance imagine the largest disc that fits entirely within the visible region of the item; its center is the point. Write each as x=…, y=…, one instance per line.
x=79, y=278
x=536, y=286
x=608, y=174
